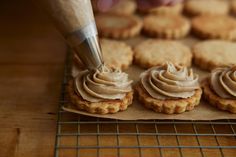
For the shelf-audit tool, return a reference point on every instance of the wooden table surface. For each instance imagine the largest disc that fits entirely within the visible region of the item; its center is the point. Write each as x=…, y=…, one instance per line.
x=32, y=57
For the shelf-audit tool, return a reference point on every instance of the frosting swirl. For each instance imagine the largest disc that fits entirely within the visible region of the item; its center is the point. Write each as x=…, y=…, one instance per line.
x=223, y=82
x=169, y=82
x=99, y=85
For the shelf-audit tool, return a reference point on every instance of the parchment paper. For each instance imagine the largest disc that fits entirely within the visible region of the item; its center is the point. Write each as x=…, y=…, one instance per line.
x=136, y=111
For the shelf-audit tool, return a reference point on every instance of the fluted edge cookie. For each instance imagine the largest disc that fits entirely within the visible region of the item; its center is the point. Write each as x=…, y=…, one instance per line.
x=105, y=107
x=215, y=100
x=214, y=27
x=164, y=10
x=118, y=26
x=153, y=52
x=125, y=7
x=116, y=54
x=168, y=106
x=210, y=54
x=166, y=26
x=202, y=7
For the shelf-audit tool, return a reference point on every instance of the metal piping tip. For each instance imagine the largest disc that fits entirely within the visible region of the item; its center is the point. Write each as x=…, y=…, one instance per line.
x=89, y=51
x=86, y=45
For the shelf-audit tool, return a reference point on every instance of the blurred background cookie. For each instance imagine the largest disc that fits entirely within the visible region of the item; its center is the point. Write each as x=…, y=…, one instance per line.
x=214, y=27
x=214, y=53
x=163, y=10
x=125, y=7
x=152, y=52
x=118, y=26
x=166, y=26
x=199, y=7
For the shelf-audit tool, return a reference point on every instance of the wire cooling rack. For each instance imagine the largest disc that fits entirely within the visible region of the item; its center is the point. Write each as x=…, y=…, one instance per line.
x=87, y=136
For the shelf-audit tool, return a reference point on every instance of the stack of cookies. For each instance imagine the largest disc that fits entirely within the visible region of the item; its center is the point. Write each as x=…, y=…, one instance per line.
x=157, y=42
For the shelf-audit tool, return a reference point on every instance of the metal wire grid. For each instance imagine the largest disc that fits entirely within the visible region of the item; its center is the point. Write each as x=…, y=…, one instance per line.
x=86, y=136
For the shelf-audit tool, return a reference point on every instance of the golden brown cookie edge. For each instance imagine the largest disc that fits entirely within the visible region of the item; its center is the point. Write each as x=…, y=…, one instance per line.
x=106, y=107
x=186, y=61
x=176, y=33
x=168, y=106
x=215, y=100
x=121, y=33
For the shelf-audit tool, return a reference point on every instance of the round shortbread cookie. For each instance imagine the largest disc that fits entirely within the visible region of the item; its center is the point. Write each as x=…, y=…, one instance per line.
x=168, y=106
x=215, y=100
x=166, y=26
x=214, y=27
x=116, y=54
x=163, y=10
x=125, y=7
x=118, y=26
x=105, y=107
x=157, y=52
x=199, y=7
x=214, y=53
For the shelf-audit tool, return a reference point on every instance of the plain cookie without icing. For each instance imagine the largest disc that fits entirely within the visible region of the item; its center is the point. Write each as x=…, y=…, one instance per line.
x=165, y=10
x=118, y=26
x=116, y=54
x=123, y=7
x=199, y=7
x=214, y=27
x=166, y=26
x=214, y=53
x=126, y=7
x=157, y=52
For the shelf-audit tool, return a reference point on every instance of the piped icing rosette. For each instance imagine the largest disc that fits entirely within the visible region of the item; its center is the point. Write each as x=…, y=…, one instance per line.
x=223, y=82
x=102, y=84
x=169, y=82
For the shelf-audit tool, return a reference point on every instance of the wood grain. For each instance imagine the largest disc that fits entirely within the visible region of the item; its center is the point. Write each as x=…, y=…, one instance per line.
x=31, y=67
x=32, y=57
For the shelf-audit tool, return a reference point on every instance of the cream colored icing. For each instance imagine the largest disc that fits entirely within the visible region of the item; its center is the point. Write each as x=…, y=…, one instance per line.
x=103, y=84
x=169, y=82
x=223, y=82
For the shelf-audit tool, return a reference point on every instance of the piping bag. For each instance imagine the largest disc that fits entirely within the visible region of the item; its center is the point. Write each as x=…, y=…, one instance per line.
x=75, y=20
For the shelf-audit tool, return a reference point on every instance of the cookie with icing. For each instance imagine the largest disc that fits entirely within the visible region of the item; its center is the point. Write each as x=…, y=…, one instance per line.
x=169, y=89
x=219, y=89
x=101, y=91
